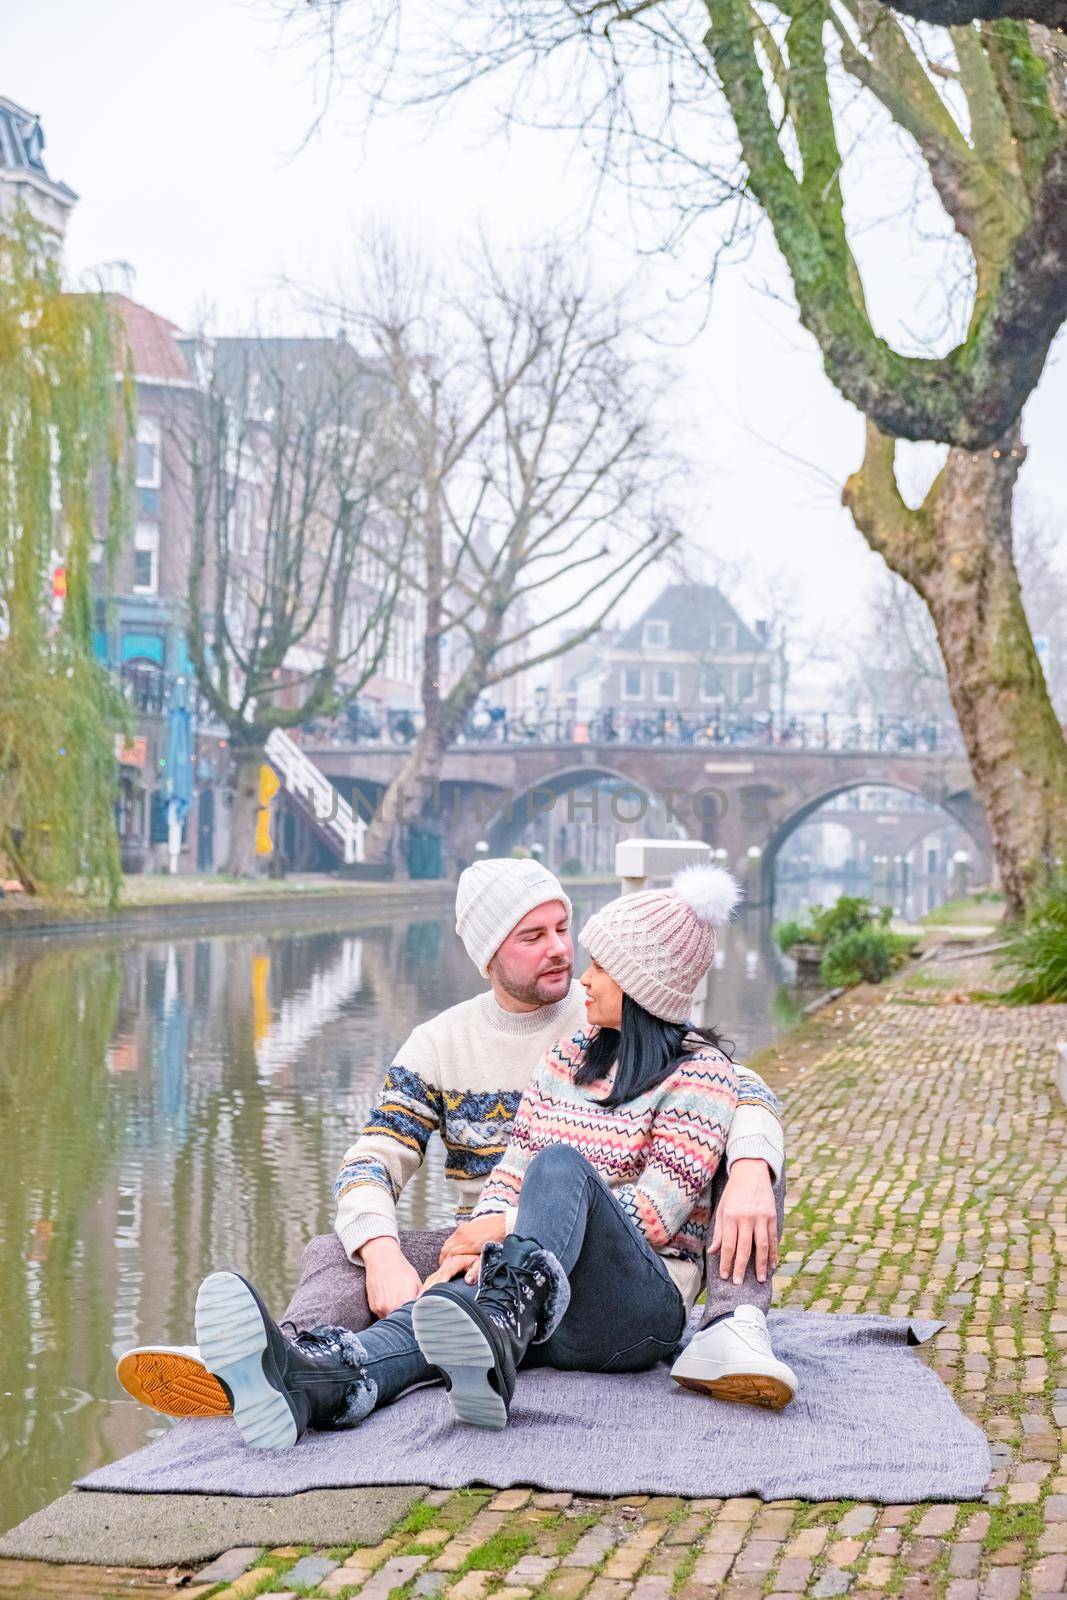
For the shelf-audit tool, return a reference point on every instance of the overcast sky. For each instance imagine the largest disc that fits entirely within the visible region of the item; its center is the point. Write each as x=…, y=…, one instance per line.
x=180, y=127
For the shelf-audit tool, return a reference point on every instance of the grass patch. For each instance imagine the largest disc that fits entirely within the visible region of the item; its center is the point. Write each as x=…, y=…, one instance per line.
x=419, y=1517
x=498, y=1553
x=980, y=909
x=684, y=1568
x=1007, y=1523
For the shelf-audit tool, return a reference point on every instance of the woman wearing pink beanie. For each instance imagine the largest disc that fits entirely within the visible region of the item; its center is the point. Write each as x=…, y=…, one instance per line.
x=598, y=1211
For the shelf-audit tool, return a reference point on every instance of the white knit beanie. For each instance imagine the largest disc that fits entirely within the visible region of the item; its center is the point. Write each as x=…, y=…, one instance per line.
x=493, y=896
x=659, y=944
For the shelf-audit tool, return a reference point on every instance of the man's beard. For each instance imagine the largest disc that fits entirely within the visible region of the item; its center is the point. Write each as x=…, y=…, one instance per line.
x=537, y=992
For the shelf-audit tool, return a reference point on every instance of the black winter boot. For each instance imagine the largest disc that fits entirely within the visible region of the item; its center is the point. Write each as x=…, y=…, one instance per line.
x=478, y=1336
x=280, y=1387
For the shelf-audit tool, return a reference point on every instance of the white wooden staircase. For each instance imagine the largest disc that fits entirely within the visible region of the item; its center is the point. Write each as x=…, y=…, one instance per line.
x=337, y=824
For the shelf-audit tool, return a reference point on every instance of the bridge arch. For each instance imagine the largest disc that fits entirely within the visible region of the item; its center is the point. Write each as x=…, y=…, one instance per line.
x=961, y=807
x=543, y=798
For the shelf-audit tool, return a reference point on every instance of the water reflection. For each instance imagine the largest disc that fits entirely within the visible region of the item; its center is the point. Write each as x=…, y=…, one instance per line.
x=176, y=1104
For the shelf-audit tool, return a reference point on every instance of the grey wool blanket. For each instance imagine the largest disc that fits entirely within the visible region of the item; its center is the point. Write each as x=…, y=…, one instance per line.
x=870, y=1422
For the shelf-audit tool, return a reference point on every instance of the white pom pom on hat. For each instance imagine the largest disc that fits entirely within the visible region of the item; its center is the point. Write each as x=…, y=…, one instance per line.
x=711, y=891
x=658, y=944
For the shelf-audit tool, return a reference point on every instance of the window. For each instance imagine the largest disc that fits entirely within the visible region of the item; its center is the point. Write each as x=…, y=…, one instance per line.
x=146, y=558
x=656, y=636
x=149, y=454
x=746, y=684
x=242, y=515
x=711, y=684
x=632, y=684
x=726, y=636
x=666, y=683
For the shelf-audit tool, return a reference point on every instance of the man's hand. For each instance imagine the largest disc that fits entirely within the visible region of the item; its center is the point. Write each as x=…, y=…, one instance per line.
x=746, y=1216
x=391, y=1279
x=452, y=1267
x=470, y=1236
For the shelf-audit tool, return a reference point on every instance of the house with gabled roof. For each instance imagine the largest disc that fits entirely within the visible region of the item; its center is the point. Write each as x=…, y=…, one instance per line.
x=689, y=652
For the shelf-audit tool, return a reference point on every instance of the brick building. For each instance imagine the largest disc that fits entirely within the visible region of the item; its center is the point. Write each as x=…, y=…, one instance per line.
x=689, y=653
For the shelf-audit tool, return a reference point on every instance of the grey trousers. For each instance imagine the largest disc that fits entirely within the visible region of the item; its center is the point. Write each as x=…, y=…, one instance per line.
x=332, y=1291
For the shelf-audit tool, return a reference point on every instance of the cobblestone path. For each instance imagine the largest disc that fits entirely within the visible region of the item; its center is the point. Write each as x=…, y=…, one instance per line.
x=928, y=1175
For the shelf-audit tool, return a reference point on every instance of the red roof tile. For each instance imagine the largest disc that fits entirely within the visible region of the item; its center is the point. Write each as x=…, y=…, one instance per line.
x=153, y=343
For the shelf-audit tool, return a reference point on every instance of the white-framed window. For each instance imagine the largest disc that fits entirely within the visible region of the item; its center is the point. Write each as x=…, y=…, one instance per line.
x=146, y=558
x=666, y=681
x=726, y=636
x=712, y=687
x=656, y=635
x=746, y=683
x=243, y=506
x=149, y=464
x=631, y=683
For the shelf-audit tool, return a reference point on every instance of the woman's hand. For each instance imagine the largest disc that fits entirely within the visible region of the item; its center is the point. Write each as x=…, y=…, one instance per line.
x=470, y=1236
x=453, y=1266
x=746, y=1216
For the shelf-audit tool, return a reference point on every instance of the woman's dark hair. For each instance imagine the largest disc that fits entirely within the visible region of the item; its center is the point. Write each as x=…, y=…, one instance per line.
x=646, y=1048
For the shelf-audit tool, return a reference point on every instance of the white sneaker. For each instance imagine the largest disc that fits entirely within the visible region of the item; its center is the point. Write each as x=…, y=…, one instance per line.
x=733, y=1360
x=171, y=1378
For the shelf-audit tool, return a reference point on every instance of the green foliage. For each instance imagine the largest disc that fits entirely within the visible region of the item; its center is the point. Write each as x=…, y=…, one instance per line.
x=862, y=955
x=854, y=937
x=787, y=934
x=1037, y=952
x=572, y=867
x=848, y=914
x=63, y=416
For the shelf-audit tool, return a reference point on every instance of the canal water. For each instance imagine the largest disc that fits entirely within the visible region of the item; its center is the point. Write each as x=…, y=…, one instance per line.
x=172, y=1103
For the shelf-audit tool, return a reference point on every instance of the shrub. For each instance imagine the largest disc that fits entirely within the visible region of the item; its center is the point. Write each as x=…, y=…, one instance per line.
x=787, y=934
x=572, y=867
x=862, y=955
x=849, y=914
x=1037, y=952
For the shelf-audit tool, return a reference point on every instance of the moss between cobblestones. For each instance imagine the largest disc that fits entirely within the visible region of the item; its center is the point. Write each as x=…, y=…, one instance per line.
x=499, y=1552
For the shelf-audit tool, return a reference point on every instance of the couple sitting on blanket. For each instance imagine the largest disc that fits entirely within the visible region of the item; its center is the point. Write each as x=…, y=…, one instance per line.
x=596, y=1189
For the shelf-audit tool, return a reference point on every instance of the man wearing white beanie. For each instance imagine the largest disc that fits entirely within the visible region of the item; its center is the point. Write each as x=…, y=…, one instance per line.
x=462, y=1075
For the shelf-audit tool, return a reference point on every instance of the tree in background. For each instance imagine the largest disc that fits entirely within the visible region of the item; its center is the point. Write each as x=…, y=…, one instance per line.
x=906, y=678
x=982, y=113
x=291, y=463
x=62, y=415
x=534, y=478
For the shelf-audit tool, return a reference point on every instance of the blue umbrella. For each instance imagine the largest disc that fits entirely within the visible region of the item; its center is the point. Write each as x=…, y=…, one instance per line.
x=178, y=782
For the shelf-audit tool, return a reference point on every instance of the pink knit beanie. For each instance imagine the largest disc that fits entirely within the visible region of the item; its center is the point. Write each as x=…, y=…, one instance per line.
x=657, y=945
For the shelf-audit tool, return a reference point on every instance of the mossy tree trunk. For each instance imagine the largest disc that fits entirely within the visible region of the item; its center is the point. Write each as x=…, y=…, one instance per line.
x=956, y=551
x=1001, y=176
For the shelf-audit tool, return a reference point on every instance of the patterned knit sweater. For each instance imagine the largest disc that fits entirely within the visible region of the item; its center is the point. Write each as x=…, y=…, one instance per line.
x=657, y=1152
x=461, y=1076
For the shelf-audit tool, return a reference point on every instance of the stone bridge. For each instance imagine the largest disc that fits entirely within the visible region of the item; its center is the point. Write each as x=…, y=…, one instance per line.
x=732, y=798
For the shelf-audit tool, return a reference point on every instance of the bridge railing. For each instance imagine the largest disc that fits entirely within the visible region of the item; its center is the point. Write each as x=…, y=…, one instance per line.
x=826, y=730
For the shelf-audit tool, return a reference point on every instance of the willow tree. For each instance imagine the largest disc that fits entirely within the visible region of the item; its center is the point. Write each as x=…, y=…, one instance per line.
x=981, y=111
x=63, y=418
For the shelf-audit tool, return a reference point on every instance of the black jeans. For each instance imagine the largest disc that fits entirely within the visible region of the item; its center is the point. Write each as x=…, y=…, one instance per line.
x=625, y=1313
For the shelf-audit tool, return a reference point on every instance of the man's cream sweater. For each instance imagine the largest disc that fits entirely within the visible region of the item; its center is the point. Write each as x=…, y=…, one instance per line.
x=462, y=1074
